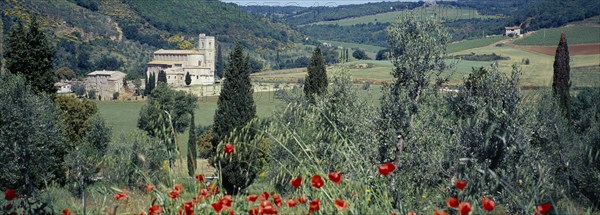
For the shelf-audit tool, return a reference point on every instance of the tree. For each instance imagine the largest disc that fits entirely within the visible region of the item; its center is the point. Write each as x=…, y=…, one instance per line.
x=316, y=80
x=150, y=84
x=75, y=115
x=418, y=50
x=220, y=63
x=108, y=63
x=235, y=109
x=560, y=79
x=382, y=54
x=65, y=73
x=188, y=79
x=360, y=55
x=192, y=152
x=30, y=54
x=162, y=77
x=31, y=140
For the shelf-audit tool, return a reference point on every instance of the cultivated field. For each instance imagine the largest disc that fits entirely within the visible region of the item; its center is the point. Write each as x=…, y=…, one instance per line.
x=576, y=34
x=577, y=49
x=444, y=13
x=474, y=43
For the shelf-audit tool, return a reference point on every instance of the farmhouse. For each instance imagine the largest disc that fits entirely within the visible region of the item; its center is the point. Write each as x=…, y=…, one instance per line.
x=105, y=83
x=63, y=87
x=514, y=30
x=200, y=64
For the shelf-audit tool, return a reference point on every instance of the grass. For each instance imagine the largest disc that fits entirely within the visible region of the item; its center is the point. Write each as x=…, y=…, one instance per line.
x=550, y=37
x=369, y=49
x=445, y=13
x=474, y=43
x=588, y=76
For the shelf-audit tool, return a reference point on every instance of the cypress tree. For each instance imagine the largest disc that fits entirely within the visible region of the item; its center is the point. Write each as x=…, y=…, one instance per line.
x=219, y=63
x=188, y=79
x=162, y=77
x=316, y=80
x=236, y=104
x=560, y=79
x=192, y=148
x=30, y=54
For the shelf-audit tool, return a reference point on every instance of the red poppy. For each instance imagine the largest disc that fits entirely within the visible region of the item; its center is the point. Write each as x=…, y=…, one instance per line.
x=387, y=168
x=440, y=212
x=179, y=188
x=411, y=213
x=452, y=202
x=155, y=209
x=543, y=208
x=461, y=184
x=149, y=188
x=265, y=207
x=488, y=204
x=296, y=182
x=253, y=211
x=340, y=204
x=264, y=196
x=335, y=177
x=317, y=181
x=302, y=199
x=10, y=194
x=226, y=201
x=174, y=194
x=189, y=208
x=228, y=148
x=291, y=203
x=252, y=198
x=277, y=200
x=204, y=193
x=66, y=211
x=231, y=212
x=217, y=206
x=200, y=178
x=213, y=188
x=314, y=206
x=196, y=200
x=120, y=195
x=464, y=208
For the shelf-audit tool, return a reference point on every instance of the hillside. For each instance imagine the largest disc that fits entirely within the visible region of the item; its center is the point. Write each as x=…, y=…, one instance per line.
x=122, y=34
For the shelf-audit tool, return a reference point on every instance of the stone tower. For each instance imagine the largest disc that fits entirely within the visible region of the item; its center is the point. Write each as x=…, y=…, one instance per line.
x=206, y=47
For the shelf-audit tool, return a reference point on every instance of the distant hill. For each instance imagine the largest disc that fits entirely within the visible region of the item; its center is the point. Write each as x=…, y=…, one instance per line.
x=91, y=34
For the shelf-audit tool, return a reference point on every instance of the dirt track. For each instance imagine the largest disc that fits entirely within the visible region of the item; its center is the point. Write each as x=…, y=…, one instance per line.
x=579, y=49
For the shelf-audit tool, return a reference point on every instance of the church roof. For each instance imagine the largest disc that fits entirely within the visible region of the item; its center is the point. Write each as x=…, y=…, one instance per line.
x=165, y=62
x=186, y=52
x=114, y=75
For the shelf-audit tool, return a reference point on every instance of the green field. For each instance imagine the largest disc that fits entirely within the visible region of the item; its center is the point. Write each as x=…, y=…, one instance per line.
x=550, y=37
x=587, y=76
x=369, y=49
x=444, y=13
x=474, y=43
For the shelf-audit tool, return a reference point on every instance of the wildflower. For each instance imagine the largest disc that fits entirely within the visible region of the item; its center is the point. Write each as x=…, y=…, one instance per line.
x=387, y=168
x=452, y=202
x=179, y=188
x=264, y=196
x=411, y=213
x=314, y=206
x=149, y=188
x=213, y=188
x=488, y=204
x=252, y=198
x=317, y=181
x=461, y=184
x=265, y=207
x=10, y=194
x=189, y=208
x=335, y=177
x=226, y=201
x=464, y=208
x=200, y=178
x=155, y=209
x=174, y=194
x=228, y=148
x=340, y=204
x=291, y=203
x=440, y=212
x=66, y=211
x=204, y=193
x=121, y=195
x=302, y=199
x=253, y=211
x=231, y=212
x=543, y=208
x=296, y=182
x=217, y=206
x=277, y=200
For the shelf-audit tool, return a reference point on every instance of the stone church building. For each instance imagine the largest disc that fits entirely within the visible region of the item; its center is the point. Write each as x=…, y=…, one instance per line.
x=200, y=64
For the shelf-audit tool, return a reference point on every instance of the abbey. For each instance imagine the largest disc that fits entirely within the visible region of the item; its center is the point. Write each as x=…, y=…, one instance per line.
x=200, y=64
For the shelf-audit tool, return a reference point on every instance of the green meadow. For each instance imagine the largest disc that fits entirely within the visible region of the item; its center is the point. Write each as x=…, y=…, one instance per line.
x=550, y=37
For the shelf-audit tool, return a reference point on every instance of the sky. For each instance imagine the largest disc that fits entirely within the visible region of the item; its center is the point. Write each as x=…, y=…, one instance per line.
x=303, y=3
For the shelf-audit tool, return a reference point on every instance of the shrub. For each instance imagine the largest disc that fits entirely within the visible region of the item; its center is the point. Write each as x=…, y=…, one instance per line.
x=204, y=142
